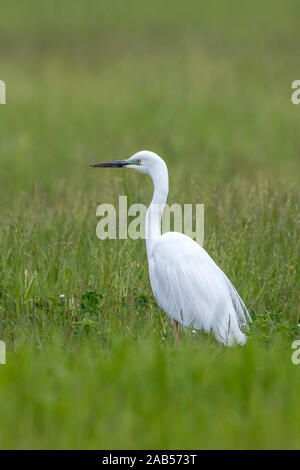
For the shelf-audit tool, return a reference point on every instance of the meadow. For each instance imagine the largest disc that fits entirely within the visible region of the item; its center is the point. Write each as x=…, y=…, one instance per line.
x=91, y=360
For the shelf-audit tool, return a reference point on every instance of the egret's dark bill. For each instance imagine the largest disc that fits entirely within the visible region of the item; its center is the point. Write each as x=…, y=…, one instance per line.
x=116, y=164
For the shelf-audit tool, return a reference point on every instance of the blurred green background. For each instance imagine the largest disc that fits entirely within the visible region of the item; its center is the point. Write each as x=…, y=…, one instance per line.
x=207, y=85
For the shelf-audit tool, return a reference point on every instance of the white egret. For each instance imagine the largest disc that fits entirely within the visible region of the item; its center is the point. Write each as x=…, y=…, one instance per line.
x=187, y=284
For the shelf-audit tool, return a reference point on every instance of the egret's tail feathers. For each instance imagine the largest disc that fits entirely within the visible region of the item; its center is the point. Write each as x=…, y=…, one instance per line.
x=236, y=337
x=230, y=334
x=240, y=308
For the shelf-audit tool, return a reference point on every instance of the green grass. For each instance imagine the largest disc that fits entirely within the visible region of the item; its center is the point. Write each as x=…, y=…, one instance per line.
x=145, y=395
x=207, y=86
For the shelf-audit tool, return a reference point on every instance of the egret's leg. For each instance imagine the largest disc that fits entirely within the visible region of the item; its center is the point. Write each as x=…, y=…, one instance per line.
x=175, y=325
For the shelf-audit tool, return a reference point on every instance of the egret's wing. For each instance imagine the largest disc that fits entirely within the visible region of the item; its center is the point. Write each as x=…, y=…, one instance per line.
x=192, y=289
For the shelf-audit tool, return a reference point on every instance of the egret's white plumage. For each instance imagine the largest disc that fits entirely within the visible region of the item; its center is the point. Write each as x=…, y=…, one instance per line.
x=187, y=284
x=192, y=289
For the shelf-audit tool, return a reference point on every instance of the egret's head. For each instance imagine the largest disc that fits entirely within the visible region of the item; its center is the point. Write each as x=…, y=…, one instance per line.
x=144, y=161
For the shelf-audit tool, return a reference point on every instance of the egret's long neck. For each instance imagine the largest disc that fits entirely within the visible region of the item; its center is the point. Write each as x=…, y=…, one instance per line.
x=155, y=210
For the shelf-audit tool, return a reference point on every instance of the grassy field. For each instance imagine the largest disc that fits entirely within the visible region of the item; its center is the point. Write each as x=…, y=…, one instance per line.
x=91, y=361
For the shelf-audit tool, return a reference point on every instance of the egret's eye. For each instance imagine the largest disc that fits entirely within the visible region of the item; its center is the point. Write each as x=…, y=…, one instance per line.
x=138, y=161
